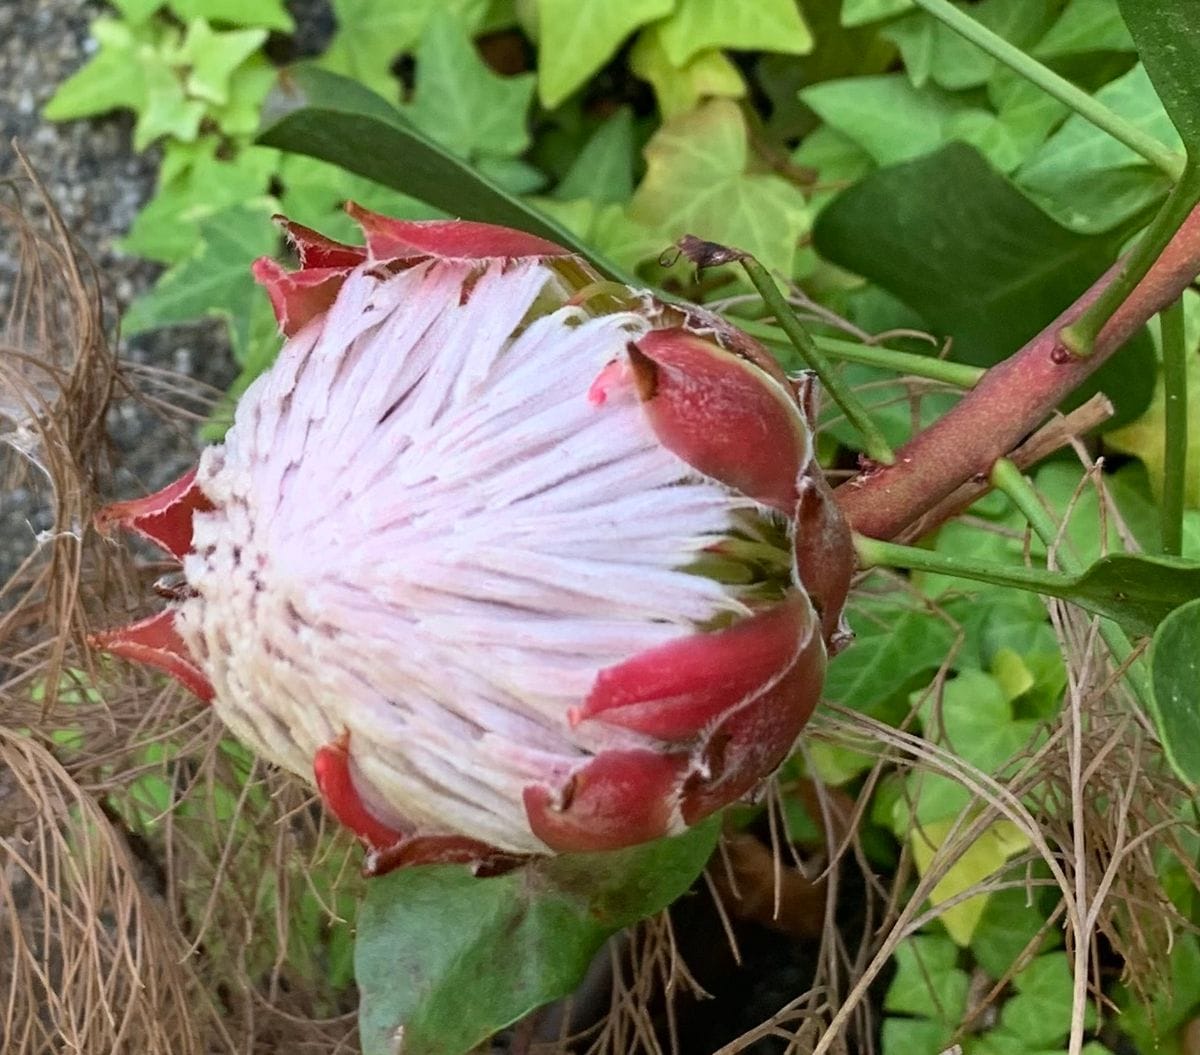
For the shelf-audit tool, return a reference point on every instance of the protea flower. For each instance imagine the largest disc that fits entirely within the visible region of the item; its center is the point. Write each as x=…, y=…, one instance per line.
x=508, y=559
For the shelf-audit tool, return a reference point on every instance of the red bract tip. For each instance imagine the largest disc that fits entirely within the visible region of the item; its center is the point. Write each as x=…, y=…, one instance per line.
x=165, y=517
x=155, y=642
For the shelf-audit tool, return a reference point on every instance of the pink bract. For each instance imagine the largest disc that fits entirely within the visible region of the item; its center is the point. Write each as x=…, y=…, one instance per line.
x=506, y=562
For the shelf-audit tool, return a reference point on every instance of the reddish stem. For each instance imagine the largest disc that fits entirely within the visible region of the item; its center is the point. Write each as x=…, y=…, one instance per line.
x=1011, y=400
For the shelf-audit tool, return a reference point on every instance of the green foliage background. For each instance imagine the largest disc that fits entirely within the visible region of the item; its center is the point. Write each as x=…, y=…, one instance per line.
x=861, y=150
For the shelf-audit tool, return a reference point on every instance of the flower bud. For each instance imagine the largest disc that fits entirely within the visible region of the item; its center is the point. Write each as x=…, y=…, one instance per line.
x=507, y=559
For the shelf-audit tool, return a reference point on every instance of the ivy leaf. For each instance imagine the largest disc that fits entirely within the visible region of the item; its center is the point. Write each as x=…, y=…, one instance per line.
x=928, y=984
x=577, y=37
x=885, y=115
x=270, y=14
x=249, y=85
x=1168, y=41
x=960, y=245
x=135, y=12
x=931, y=50
x=603, y=170
x=698, y=182
x=371, y=33
x=216, y=279
x=895, y=647
x=194, y=183
x=972, y=865
x=212, y=55
x=1011, y=920
x=1085, y=178
x=707, y=74
x=1175, y=680
x=514, y=942
x=860, y=12
x=460, y=102
x=1144, y=438
x=113, y=78
x=1085, y=26
x=1037, y=1013
x=608, y=228
x=739, y=25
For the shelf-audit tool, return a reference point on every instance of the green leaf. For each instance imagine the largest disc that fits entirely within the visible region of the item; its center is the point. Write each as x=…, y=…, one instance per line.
x=932, y=50
x=194, y=183
x=1138, y=592
x=371, y=34
x=113, y=77
x=216, y=279
x=249, y=84
x=698, y=182
x=1088, y=180
x=270, y=14
x=427, y=936
x=608, y=229
x=678, y=89
x=1010, y=921
x=896, y=646
x=860, y=12
x=739, y=25
x=210, y=57
x=885, y=115
x=927, y=983
x=325, y=116
x=1175, y=680
x=1040, y=1012
x=1085, y=26
x=134, y=12
x=461, y=103
x=577, y=37
x=603, y=171
x=1167, y=36
x=956, y=242
x=973, y=864
x=1144, y=437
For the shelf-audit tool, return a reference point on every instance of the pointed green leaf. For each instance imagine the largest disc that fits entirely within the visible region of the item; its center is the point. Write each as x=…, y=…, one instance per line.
x=270, y=14
x=1167, y=35
x=371, y=34
x=577, y=37
x=959, y=244
x=211, y=56
x=325, y=116
x=679, y=88
x=603, y=171
x=461, y=103
x=216, y=279
x=698, y=182
x=112, y=78
x=1085, y=26
x=860, y=12
x=1175, y=680
x=738, y=25
x=429, y=936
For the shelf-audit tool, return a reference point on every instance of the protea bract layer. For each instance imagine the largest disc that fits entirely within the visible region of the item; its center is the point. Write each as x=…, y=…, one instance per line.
x=506, y=559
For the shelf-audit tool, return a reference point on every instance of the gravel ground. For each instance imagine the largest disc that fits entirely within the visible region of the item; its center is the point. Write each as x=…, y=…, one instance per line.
x=99, y=184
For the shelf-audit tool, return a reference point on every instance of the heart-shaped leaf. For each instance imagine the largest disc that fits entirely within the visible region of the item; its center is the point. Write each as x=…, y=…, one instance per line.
x=1175, y=681
x=444, y=960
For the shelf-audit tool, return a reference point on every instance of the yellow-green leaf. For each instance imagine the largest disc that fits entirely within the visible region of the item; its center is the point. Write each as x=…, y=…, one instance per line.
x=699, y=181
x=577, y=37
x=741, y=25
x=707, y=74
x=983, y=858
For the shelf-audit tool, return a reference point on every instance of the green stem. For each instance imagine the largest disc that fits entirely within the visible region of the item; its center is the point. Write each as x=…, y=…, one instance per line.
x=1006, y=477
x=1175, y=426
x=1080, y=336
x=874, y=443
x=1159, y=155
x=958, y=375
x=874, y=553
